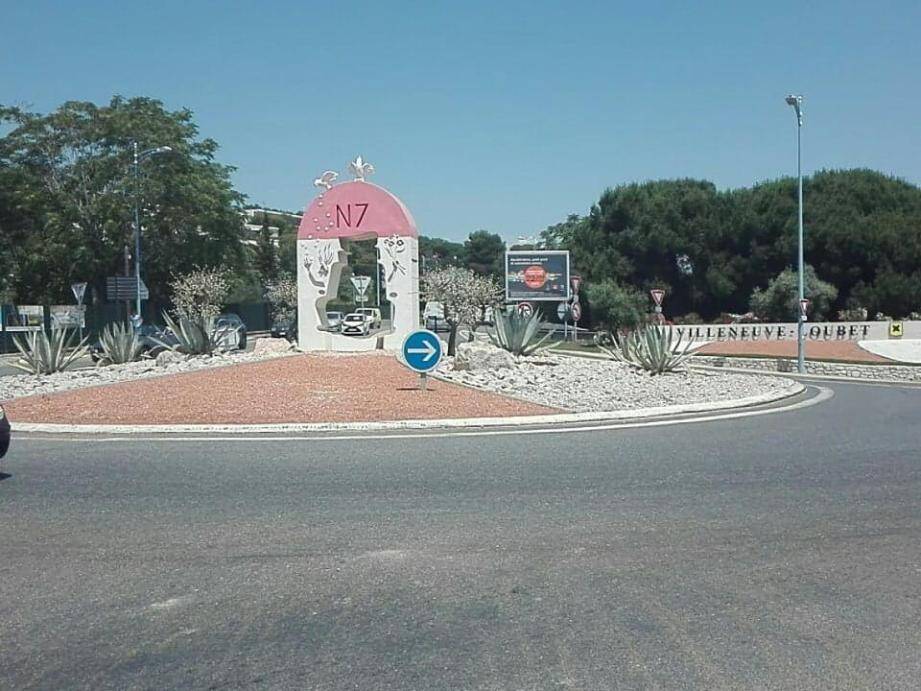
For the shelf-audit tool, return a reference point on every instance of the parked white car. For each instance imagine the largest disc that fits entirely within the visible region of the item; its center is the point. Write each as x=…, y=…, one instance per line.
x=373, y=314
x=356, y=324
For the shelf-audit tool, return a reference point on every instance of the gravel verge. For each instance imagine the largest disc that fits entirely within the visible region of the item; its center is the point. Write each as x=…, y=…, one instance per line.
x=594, y=385
x=20, y=385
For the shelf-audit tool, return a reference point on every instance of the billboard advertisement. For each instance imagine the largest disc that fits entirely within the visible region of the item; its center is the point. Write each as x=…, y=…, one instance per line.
x=23, y=318
x=537, y=275
x=68, y=316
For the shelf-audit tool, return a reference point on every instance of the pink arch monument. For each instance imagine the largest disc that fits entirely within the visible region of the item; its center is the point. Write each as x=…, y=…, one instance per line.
x=355, y=210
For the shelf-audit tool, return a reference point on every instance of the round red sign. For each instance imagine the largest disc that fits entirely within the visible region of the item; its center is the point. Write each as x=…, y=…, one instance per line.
x=535, y=277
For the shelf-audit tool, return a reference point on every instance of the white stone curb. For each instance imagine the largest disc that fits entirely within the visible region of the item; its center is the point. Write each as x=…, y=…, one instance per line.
x=792, y=389
x=810, y=377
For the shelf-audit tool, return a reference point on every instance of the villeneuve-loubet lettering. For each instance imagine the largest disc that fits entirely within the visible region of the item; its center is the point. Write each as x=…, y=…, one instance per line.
x=774, y=332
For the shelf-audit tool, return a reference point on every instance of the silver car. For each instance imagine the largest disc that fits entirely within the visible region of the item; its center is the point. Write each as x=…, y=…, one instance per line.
x=334, y=321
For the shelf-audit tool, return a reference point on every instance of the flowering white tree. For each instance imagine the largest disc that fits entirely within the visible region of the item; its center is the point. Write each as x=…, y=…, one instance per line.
x=464, y=296
x=282, y=296
x=200, y=294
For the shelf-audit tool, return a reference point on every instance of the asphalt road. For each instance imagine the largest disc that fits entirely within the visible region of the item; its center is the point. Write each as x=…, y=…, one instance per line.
x=779, y=551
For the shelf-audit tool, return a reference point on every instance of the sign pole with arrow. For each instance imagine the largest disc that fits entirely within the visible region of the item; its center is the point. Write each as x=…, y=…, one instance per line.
x=422, y=352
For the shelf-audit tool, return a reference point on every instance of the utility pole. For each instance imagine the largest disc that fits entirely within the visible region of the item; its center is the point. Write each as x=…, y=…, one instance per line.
x=138, y=157
x=797, y=103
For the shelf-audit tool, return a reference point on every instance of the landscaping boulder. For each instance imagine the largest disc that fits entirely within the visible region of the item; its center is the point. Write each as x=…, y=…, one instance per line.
x=476, y=355
x=169, y=357
x=271, y=345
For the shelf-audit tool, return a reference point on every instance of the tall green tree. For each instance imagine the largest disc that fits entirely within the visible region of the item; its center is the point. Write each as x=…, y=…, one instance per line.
x=69, y=213
x=266, y=253
x=438, y=253
x=485, y=253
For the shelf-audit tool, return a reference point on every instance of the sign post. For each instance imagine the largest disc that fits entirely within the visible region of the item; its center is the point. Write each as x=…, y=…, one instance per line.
x=79, y=290
x=421, y=353
x=562, y=311
x=576, y=313
x=657, y=296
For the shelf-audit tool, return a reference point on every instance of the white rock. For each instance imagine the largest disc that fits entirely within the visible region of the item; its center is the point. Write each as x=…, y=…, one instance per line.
x=477, y=356
x=271, y=345
x=170, y=357
x=581, y=384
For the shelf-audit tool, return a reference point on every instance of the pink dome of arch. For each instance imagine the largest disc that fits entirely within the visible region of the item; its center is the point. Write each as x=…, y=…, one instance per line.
x=356, y=209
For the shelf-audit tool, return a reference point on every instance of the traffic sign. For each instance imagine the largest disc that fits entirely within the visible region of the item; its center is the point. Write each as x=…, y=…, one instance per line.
x=657, y=295
x=575, y=282
x=361, y=284
x=525, y=309
x=422, y=351
x=576, y=311
x=562, y=311
x=79, y=290
x=124, y=288
x=896, y=330
x=804, y=307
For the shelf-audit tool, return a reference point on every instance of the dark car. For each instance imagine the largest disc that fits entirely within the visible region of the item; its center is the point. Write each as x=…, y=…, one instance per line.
x=150, y=337
x=285, y=328
x=4, y=433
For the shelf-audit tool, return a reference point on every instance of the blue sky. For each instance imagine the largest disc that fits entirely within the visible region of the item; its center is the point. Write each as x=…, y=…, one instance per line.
x=498, y=115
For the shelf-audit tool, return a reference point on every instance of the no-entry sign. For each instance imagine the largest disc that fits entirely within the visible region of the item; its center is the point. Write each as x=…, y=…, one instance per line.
x=576, y=311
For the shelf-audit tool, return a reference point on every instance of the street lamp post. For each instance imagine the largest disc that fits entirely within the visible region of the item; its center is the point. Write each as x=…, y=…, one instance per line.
x=797, y=103
x=138, y=157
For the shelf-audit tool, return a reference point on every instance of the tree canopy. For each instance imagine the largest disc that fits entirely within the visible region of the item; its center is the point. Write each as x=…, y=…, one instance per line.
x=67, y=192
x=710, y=249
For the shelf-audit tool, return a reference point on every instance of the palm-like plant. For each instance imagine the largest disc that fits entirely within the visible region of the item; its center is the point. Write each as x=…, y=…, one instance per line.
x=652, y=348
x=119, y=344
x=518, y=334
x=40, y=353
x=195, y=337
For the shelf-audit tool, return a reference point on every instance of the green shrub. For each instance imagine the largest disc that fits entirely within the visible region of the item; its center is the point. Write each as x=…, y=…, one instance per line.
x=780, y=300
x=41, y=354
x=516, y=333
x=652, y=348
x=616, y=307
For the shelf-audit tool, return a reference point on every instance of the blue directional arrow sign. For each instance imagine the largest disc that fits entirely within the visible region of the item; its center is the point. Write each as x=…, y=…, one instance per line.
x=422, y=351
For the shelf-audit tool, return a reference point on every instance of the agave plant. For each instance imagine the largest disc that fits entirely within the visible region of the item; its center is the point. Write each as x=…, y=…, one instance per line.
x=652, y=348
x=518, y=334
x=119, y=344
x=195, y=337
x=40, y=353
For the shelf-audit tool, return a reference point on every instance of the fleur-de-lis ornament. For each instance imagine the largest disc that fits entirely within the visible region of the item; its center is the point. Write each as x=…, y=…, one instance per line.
x=326, y=180
x=360, y=169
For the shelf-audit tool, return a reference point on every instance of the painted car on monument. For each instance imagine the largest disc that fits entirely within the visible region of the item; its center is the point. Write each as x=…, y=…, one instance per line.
x=356, y=324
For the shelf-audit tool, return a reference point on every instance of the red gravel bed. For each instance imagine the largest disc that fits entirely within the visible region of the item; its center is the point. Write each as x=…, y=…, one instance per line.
x=306, y=388
x=846, y=351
